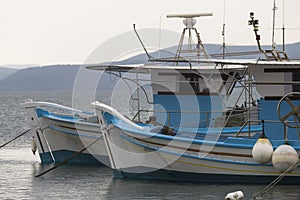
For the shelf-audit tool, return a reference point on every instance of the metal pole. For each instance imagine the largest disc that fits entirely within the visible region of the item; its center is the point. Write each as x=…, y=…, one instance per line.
x=285, y=134
x=273, y=29
x=249, y=99
x=138, y=95
x=283, y=28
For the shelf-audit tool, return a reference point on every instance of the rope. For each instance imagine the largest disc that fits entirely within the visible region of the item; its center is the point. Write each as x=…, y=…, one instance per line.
x=274, y=182
x=15, y=138
x=69, y=158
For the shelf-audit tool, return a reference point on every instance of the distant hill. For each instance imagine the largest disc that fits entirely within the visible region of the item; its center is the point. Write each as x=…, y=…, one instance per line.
x=62, y=77
x=5, y=72
x=49, y=78
x=54, y=77
x=293, y=50
x=170, y=52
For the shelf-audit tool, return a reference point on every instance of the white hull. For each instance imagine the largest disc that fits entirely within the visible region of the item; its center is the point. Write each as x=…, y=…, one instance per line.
x=59, y=138
x=137, y=154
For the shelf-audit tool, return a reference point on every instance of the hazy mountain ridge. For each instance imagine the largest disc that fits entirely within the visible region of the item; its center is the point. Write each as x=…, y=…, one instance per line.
x=62, y=77
x=293, y=50
x=54, y=77
x=5, y=72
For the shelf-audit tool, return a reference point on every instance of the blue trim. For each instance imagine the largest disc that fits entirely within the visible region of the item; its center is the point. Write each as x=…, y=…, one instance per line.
x=47, y=114
x=268, y=111
x=231, y=142
x=46, y=158
x=176, y=176
x=192, y=156
x=197, y=108
x=145, y=133
x=225, y=130
x=81, y=159
x=41, y=112
x=64, y=118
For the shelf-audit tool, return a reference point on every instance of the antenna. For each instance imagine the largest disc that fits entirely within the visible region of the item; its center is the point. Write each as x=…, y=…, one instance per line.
x=272, y=54
x=283, y=27
x=190, y=15
x=273, y=29
x=223, y=31
x=254, y=22
x=148, y=55
x=159, y=37
x=189, y=21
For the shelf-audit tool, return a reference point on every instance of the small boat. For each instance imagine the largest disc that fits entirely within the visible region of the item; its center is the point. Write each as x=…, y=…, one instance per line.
x=61, y=134
x=194, y=134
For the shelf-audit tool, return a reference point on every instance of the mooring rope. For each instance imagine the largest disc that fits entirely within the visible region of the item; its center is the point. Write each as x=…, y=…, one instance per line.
x=275, y=181
x=14, y=138
x=69, y=158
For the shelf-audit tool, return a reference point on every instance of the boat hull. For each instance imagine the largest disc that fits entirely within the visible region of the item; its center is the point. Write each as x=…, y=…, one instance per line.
x=144, y=151
x=81, y=159
x=158, y=159
x=58, y=137
x=205, y=178
x=61, y=139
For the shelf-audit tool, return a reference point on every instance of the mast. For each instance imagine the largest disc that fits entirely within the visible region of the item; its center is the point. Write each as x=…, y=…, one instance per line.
x=283, y=27
x=273, y=53
x=189, y=21
x=223, y=32
x=273, y=29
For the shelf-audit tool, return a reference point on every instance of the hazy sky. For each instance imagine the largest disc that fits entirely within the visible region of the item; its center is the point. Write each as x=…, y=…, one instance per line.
x=67, y=31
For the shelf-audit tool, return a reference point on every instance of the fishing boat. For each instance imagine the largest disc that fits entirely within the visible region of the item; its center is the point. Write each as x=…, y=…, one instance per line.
x=212, y=120
x=62, y=132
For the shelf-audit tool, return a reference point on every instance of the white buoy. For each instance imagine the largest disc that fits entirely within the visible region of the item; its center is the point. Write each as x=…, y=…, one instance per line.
x=284, y=157
x=262, y=150
x=33, y=146
x=234, y=195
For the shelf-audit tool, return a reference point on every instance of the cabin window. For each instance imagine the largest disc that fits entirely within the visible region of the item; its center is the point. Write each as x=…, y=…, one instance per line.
x=296, y=77
x=193, y=83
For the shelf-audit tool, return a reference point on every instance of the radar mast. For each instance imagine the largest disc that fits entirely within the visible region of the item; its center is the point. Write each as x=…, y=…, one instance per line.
x=189, y=21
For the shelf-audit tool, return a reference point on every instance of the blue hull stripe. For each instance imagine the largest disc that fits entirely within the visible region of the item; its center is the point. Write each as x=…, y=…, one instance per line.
x=231, y=142
x=176, y=176
x=67, y=119
x=193, y=156
x=83, y=158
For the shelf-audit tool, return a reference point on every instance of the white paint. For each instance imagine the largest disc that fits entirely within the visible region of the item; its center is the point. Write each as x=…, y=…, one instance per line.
x=284, y=157
x=262, y=150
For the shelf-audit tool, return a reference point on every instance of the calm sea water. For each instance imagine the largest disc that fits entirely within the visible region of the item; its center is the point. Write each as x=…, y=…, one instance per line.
x=18, y=167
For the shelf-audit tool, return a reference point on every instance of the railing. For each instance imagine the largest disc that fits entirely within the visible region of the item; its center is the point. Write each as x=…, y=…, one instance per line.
x=258, y=121
x=36, y=104
x=169, y=112
x=207, y=114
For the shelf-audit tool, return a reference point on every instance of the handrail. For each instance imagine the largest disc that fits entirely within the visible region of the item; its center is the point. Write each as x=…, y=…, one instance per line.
x=33, y=104
x=207, y=120
x=249, y=121
x=106, y=108
x=180, y=111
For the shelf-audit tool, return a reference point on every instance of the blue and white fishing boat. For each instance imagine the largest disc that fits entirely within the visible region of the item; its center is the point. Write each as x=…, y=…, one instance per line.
x=60, y=132
x=212, y=120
